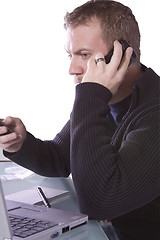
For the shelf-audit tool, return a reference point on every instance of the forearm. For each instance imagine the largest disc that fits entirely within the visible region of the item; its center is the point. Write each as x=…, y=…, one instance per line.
x=48, y=158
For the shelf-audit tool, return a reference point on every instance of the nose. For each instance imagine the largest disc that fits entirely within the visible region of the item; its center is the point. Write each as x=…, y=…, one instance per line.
x=76, y=67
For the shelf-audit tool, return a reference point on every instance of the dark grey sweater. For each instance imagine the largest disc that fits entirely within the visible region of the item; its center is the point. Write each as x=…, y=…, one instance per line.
x=116, y=170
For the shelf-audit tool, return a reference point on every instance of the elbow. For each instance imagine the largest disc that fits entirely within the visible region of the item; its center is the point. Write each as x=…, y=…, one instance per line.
x=93, y=209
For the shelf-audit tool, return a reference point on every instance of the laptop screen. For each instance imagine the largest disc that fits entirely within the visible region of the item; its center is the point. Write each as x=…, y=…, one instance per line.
x=5, y=230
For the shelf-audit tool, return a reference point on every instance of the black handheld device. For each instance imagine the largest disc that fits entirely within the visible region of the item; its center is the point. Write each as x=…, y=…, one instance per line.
x=125, y=45
x=8, y=130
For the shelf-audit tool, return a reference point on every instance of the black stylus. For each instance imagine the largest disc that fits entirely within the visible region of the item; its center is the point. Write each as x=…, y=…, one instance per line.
x=43, y=197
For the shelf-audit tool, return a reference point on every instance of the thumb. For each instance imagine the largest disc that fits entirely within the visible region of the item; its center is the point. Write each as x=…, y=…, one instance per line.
x=91, y=63
x=90, y=68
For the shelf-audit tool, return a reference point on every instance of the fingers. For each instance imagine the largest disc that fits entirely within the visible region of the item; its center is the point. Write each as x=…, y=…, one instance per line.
x=91, y=65
x=125, y=62
x=110, y=75
x=117, y=54
x=7, y=138
x=100, y=61
x=126, y=58
x=11, y=121
x=97, y=61
x=12, y=142
x=3, y=130
x=117, y=59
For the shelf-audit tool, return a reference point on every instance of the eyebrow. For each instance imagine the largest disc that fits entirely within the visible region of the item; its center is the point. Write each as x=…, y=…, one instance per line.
x=80, y=50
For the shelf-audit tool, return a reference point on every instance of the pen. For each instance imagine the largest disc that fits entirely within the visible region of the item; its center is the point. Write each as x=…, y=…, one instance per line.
x=43, y=197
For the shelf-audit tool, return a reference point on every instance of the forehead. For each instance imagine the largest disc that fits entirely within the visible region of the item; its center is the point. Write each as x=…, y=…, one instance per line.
x=84, y=36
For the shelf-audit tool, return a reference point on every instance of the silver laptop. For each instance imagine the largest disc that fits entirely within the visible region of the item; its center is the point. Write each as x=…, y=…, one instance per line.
x=31, y=222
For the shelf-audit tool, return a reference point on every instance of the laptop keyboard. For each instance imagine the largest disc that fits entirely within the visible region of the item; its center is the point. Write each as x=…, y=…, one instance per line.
x=25, y=227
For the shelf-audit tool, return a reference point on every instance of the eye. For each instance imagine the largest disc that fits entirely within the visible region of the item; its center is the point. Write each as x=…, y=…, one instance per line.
x=85, y=55
x=70, y=56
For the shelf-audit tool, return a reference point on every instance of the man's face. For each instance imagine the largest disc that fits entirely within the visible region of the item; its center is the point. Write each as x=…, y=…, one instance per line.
x=83, y=42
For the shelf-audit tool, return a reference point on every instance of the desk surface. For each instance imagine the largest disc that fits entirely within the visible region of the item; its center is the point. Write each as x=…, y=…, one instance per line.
x=91, y=231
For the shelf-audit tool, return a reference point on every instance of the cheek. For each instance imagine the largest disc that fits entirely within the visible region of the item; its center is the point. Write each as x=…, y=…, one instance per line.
x=85, y=67
x=83, y=63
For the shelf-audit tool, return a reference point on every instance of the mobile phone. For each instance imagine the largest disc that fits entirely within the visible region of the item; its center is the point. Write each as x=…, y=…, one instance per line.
x=8, y=130
x=125, y=45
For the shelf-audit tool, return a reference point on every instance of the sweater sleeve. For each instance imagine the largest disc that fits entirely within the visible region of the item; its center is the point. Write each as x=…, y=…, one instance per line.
x=112, y=176
x=47, y=158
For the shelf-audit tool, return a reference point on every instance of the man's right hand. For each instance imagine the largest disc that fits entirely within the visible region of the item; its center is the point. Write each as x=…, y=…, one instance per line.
x=12, y=142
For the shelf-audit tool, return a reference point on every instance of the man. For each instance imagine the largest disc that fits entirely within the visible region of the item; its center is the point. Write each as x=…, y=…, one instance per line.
x=111, y=143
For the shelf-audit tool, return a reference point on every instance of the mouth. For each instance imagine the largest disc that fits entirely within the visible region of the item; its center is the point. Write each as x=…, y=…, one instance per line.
x=77, y=79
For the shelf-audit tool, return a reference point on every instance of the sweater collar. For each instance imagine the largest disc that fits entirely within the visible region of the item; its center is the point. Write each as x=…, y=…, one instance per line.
x=147, y=86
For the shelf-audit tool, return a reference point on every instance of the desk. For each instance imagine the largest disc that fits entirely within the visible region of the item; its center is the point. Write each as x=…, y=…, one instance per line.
x=91, y=231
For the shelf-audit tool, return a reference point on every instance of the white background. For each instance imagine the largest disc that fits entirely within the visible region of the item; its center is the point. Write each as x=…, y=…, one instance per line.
x=34, y=81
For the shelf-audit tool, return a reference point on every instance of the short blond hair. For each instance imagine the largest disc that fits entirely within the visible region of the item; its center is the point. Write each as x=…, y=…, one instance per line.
x=117, y=21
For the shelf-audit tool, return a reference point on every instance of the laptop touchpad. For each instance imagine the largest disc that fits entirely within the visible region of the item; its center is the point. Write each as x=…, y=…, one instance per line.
x=26, y=211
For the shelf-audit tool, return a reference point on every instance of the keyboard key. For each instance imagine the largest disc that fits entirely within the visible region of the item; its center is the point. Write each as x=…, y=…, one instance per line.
x=24, y=227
